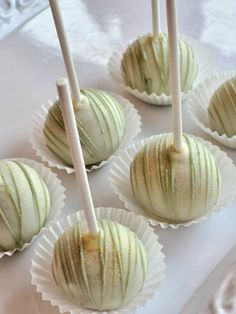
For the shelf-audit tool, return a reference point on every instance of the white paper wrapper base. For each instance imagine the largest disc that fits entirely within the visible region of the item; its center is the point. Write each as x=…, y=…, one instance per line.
x=41, y=263
x=37, y=138
x=206, y=64
x=120, y=182
x=56, y=191
x=199, y=101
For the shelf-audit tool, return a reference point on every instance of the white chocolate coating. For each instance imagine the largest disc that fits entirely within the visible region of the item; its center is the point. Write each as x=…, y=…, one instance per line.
x=145, y=65
x=101, y=124
x=175, y=187
x=103, y=272
x=24, y=204
x=222, y=108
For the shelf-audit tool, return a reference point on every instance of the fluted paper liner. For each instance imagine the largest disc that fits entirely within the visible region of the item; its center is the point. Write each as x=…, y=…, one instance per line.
x=41, y=262
x=199, y=101
x=206, y=65
x=37, y=138
x=120, y=182
x=56, y=191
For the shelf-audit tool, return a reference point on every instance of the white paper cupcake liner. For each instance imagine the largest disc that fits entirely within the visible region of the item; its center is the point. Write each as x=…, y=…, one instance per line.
x=198, y=103
x=206, y=65
x=37, y=138
x=120, y=182
x=57, y=194
x=41, y=263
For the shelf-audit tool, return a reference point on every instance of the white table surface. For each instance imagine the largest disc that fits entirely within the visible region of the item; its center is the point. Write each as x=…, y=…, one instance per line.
x=30, y=62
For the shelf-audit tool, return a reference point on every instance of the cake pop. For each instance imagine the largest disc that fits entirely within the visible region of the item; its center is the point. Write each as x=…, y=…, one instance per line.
x=100, y=122
x=175, y=186
x=145, y=65
x=222, y=108
x=104, y=272
x=99, y=116
x=24, y=204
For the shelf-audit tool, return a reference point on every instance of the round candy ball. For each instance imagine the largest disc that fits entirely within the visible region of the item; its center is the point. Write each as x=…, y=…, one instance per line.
x=104, y=272
x=100, y=121
x=175, y=187
x=222, y=108
x=145, y=65
x=24, y=204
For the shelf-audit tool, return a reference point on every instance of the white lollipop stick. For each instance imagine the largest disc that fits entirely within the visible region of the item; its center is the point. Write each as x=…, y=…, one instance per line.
x=70, y=67
x=76, y=152
x=174, y=73
x=155, y=18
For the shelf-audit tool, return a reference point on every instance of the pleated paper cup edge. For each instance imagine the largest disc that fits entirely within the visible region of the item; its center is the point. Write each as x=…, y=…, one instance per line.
x=130, y=113
x=161, y=100
x=123, y=217
x=45, y=173
x=216, y=78
x=136, y=208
